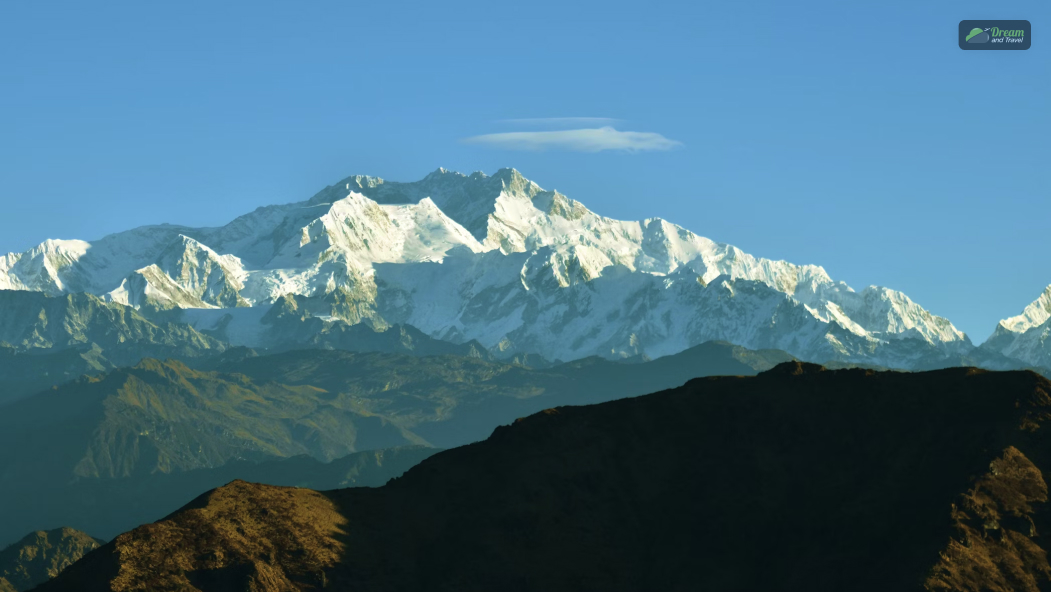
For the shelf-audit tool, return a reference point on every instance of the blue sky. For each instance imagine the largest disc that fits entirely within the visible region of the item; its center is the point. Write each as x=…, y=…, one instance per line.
x=857, y=136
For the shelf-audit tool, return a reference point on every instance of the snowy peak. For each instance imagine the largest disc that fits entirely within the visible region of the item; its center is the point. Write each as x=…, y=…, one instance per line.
x=427, y=234
x=186, y=274
x=1034, y=315
x=1026, y=337
x=469, y=200
x=890, y=314
x=49, y=267
x=187, y=259
x=513, y=183
x=366, y=232
x=215, y=279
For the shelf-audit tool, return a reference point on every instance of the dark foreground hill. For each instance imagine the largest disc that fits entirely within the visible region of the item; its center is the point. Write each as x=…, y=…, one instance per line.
x=40, y=556
x=797, y=479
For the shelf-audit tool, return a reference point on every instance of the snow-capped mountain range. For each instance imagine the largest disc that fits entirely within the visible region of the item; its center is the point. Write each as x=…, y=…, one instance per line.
x=499, y=260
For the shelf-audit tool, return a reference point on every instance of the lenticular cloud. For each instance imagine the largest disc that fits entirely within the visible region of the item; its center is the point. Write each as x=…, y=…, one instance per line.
x=577, y=140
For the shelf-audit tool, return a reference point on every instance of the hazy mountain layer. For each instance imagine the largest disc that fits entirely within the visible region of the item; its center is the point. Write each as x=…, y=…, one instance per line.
x=497, y=260
x=798, y=479
x=109, y=507
x=48, y=341
x=33, y=321
x=25, y=373
x=450, y=401
x=41, y=556
x=85, y=444
x=297, y=322
x=165, y=417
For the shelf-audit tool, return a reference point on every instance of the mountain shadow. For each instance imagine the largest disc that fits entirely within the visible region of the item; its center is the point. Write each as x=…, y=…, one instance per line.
x=800, y=478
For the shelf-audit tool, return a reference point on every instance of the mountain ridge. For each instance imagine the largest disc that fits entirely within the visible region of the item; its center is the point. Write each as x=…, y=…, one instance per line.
x=499, y=260
x=42, y=555
x=129, y=431
x=35, y=321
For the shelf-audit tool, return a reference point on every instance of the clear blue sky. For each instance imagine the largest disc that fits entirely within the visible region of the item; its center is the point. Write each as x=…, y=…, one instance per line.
x=857, y=137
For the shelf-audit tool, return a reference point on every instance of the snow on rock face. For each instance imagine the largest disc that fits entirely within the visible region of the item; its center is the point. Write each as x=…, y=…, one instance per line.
x=49, y=268
x=572, y=303
x=470, y=200
x=366, y=232
x=1027, y=336
x=186, y=274
x=1034, y=315
x=498, y=259
x=883, y=313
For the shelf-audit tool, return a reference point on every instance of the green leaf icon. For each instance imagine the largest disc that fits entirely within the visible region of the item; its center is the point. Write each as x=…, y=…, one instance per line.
x=972, y=34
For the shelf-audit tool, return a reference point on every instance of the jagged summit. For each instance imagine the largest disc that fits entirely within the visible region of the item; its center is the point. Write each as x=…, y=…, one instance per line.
x=1026, y=337
x=497, y=259
x=1034, y=315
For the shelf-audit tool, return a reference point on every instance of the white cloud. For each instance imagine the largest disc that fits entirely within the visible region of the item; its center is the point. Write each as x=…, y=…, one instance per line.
x=563, y=121
x=577, y=140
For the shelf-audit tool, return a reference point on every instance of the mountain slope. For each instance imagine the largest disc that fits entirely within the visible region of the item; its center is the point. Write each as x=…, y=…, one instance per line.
x=799, y=478
x=47, y=341
x=298, y=322
x=498, y=260
x=23, y=373
x=187, y=274
x=451, y=401
x=33, y=321
x=164, y=417
x=1027, y=336
x=41, y=556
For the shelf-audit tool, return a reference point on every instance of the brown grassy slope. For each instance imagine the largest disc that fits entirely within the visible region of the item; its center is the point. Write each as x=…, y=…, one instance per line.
x=238, y=537
x=798, y=479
